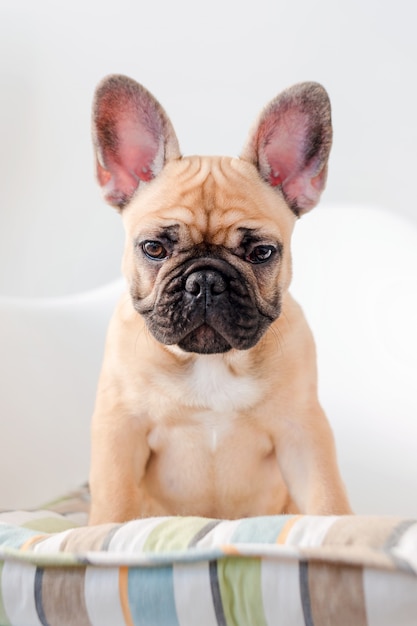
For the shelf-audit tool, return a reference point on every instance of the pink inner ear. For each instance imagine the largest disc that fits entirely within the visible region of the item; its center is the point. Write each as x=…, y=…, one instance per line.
x=284, y=147
x=126, y=163
x=118, y=185
x=134, y=165
x=275, y=179
x=136, y=149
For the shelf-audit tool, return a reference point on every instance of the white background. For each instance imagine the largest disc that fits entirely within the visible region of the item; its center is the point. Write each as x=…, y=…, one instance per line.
x=213, y=66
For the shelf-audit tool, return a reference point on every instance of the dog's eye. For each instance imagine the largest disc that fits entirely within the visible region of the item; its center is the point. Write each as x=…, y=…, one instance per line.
x=260, y=254
x=154, y=250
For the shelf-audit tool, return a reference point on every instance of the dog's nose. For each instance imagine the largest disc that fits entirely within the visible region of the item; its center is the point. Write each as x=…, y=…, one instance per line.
x=206, y=284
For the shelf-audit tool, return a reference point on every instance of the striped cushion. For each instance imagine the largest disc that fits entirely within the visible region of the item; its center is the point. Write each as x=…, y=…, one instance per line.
x=264, y=571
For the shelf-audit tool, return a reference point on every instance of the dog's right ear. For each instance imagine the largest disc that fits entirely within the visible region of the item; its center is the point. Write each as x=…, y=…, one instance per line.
x=132, y=135
x=290, y=144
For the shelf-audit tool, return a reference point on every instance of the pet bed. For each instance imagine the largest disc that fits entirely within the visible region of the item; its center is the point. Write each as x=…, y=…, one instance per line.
x=189, y=571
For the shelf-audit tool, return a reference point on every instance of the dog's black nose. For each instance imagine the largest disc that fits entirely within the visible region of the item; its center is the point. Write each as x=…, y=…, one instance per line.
x=205, y=284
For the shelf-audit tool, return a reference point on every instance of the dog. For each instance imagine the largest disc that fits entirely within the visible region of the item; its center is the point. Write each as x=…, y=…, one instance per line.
x=207, y=400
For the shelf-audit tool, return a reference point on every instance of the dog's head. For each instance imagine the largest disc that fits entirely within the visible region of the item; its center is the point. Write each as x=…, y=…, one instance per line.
x=207, y=252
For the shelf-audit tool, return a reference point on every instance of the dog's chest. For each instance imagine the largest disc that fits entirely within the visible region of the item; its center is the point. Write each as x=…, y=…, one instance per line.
x=206, y=402
x=210, y=447
x=211, y=384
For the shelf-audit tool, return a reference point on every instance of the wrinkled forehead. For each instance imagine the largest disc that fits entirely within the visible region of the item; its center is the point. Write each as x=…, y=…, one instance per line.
x=215, y=199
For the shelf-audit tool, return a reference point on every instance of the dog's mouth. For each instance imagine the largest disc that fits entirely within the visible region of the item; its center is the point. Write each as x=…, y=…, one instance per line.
x=206, y=306
x=204, y=340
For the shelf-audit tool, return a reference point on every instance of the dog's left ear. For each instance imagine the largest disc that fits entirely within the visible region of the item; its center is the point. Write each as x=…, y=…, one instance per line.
x=132, y=135
x=291, y=142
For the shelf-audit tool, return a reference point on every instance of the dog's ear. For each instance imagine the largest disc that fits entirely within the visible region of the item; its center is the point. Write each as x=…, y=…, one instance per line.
x=132, y=135
x=291, y=142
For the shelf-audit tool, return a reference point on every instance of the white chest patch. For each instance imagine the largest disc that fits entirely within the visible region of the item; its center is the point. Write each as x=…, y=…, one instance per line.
x=212, y=385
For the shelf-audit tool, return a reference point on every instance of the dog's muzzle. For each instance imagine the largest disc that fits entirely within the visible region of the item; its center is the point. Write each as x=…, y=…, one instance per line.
x=206, y=306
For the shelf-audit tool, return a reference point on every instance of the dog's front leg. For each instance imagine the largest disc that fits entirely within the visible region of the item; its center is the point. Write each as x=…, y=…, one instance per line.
x=119, y=455
x=307, y=460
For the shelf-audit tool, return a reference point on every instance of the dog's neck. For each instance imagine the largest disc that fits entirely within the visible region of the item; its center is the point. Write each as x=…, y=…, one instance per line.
x=218, y=382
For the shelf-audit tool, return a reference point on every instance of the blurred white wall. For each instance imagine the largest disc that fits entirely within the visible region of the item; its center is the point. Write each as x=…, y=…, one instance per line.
x=213, y=66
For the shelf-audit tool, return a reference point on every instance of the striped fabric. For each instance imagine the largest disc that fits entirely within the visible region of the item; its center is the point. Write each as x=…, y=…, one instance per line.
x=264, y=571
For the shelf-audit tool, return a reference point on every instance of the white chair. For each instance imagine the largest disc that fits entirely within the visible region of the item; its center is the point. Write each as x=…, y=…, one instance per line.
x=50, y=355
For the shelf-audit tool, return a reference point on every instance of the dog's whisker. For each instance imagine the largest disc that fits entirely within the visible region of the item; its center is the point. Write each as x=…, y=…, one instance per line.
x=141, y=330
x=278, y=340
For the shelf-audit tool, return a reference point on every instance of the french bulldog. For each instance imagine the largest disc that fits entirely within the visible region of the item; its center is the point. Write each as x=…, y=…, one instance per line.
x=207, y=402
